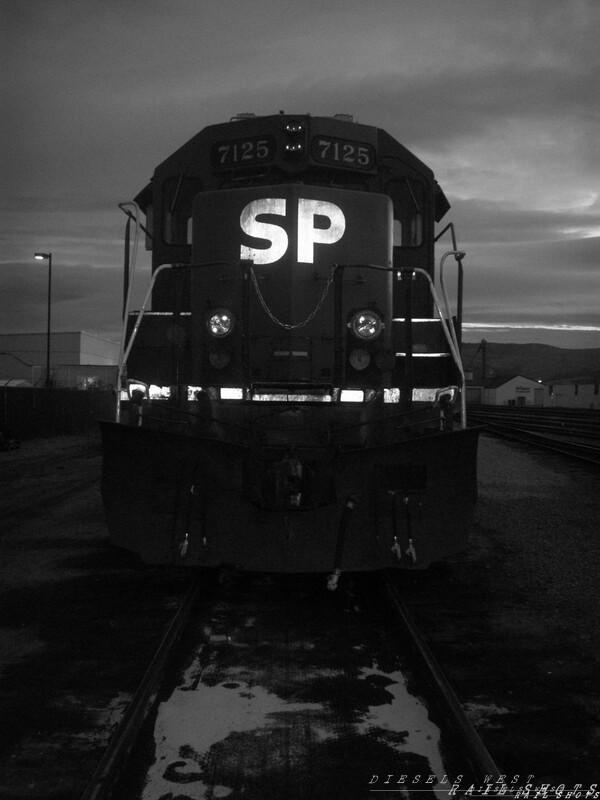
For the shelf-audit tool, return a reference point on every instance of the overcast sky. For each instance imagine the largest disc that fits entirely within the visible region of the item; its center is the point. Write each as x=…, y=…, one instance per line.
x=500, y=98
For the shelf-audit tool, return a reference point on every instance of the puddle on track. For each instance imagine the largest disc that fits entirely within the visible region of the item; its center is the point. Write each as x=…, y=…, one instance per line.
x=292, y=717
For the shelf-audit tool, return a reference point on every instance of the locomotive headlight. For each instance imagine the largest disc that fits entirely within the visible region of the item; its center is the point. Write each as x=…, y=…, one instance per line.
x=366, y=325
x=296, y=144
x=294, y=126
x=220, y=323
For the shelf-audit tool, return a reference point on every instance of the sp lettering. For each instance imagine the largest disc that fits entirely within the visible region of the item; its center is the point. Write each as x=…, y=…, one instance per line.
x=277, y=236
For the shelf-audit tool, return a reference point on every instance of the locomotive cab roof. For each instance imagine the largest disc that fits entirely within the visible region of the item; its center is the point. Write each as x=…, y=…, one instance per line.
x=288, y=147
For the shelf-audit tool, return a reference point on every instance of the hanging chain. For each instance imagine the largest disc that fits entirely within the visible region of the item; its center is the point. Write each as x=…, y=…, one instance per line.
x=288, y=326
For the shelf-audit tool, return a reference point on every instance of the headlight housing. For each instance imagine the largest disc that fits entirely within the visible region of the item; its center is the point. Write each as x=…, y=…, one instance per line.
x=366, y=325
x=359, y=359
x=220, y=322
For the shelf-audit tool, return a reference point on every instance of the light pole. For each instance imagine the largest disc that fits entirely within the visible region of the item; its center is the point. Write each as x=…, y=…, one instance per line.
x=48, y=257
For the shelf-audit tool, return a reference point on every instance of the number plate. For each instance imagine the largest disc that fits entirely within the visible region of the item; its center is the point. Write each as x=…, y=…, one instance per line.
x=343, y=153
x=243, y=152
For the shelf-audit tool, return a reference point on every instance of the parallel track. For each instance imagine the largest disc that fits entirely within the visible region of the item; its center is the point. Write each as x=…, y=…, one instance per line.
x=246, y=661
x=56, y=475
x=571, y=433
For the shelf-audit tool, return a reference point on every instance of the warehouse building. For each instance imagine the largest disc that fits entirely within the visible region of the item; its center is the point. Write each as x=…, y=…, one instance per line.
x=78, y=360
x=575, y=394
x=516, y=391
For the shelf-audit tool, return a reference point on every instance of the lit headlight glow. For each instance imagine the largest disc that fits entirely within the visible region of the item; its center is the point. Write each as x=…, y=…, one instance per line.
x=220, y=323
x=366, y=325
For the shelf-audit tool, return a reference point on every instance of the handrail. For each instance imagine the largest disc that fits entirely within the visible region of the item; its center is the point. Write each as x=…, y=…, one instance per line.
x=126, y=350
x=459, y=257
x=452, y=344
x=450, y=227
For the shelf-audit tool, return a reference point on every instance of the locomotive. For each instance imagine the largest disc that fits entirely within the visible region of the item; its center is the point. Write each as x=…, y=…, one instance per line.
x=290, y=393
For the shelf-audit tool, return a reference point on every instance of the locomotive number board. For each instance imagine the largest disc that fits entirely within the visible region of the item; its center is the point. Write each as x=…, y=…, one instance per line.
x=343, y=153
x=243, y=152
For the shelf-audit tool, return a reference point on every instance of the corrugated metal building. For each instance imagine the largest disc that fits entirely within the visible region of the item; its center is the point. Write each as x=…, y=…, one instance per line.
x=78, y=359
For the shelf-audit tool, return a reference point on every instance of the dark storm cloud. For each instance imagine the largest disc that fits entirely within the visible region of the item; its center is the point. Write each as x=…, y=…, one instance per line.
x=500, y=99
x=491, y=222
x=83, y=297
x=542, y=284
x=30, y=204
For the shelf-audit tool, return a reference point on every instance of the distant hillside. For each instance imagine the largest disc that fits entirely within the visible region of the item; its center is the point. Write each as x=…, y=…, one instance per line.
x=538, y=361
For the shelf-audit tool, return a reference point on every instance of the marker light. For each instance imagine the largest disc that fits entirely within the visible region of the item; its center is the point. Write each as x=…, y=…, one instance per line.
x=366, y=325
x=220, y=323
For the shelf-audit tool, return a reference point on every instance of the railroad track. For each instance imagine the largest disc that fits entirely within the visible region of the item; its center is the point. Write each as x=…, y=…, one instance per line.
x=276, y=688
x=572, y=433
x=33, y=483
x=576, y=423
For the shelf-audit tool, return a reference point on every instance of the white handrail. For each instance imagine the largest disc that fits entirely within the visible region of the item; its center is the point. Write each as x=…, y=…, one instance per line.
x=124, y=354
x=452, y=344
x=459, y=255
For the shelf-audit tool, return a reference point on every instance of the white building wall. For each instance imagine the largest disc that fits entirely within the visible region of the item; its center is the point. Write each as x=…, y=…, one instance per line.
x=97, y=350
x=571, y=395
x=23, y=356
x=64, y=348
x=517, y=391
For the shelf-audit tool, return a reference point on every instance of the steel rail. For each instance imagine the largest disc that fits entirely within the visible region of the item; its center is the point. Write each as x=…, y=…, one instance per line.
x=108, y=771
x=559, y=424
x=481, y=763
x=582, y=452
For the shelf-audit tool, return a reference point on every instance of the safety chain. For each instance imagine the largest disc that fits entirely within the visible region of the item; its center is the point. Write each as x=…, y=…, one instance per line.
x=288, y=326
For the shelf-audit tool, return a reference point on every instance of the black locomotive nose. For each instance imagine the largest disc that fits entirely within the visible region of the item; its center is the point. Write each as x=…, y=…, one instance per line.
x=292, y=350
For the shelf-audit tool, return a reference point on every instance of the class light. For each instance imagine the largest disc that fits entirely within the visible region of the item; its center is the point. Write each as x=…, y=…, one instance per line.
x=220, y=323
x=366, y=325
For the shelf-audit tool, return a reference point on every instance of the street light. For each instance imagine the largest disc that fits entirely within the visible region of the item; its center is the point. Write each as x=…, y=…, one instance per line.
x=48, y=257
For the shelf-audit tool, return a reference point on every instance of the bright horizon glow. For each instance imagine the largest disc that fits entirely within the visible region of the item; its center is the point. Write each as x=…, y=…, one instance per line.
x=527, y=326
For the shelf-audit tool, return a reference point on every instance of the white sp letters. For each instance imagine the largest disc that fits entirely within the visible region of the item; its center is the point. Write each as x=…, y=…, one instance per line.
x=275, y=234
x=308, y=234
